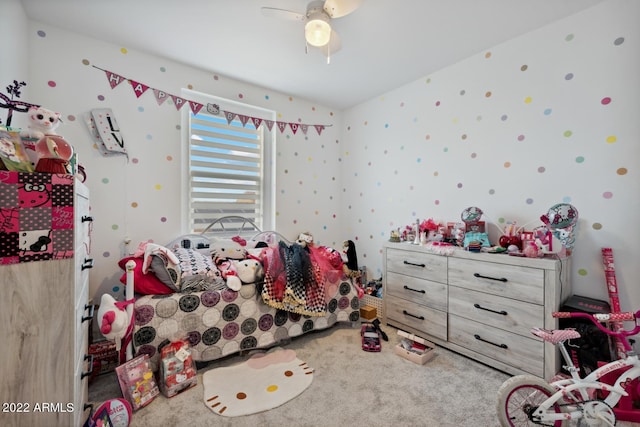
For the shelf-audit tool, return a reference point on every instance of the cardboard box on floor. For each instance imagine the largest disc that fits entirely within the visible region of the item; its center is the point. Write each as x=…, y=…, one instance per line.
x=423, y=353
x=367, y=312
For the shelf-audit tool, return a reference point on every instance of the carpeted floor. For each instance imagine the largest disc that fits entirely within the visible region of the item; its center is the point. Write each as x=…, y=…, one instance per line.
x=350, y=387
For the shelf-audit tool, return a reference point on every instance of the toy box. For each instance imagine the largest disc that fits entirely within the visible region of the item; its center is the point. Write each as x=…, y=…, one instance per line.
x=177, y=369
x=105, y=358
x=367, y=312
x=137, y=382
x=413, y=348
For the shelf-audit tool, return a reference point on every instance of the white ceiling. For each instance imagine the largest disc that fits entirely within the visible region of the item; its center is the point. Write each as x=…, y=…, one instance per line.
x=385, y=43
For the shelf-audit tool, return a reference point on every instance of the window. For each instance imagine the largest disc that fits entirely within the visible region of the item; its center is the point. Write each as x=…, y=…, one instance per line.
x=229, y=166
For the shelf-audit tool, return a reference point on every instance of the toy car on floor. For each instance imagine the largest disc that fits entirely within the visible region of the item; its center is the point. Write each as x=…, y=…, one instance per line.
x=370, y=337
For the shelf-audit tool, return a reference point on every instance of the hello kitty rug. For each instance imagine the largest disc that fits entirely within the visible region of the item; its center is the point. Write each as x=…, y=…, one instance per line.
x=263, y=382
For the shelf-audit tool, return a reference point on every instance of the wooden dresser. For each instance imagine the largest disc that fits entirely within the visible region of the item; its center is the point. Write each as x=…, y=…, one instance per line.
x=477, y=304
x=45, y=315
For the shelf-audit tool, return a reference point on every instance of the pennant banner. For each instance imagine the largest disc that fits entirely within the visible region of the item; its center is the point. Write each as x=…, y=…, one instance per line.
x=140, y=88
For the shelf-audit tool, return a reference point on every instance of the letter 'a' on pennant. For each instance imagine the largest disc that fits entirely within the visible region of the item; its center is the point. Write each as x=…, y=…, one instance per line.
x=114, y=79
x=138, y=88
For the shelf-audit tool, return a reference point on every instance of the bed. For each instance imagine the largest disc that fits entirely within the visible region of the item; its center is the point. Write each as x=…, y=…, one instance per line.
x=219, y=321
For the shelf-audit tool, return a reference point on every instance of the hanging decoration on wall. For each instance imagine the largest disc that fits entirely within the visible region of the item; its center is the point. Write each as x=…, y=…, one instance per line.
x=140, y=89
x=105, y=132
x=14, y=105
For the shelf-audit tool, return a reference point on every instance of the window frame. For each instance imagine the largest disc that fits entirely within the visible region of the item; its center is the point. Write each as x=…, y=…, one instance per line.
x=268, y=158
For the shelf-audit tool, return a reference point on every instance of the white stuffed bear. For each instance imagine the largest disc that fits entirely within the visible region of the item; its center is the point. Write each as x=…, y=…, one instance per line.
x=41, y=122
x=113, y=318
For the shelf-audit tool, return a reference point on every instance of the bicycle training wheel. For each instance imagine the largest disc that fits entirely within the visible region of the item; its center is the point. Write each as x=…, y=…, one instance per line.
x=520, y=395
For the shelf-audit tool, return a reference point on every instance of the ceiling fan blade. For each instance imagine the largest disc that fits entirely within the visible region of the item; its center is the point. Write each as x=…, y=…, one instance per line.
x=339, y=8
x=272, y=12
x=334, y=45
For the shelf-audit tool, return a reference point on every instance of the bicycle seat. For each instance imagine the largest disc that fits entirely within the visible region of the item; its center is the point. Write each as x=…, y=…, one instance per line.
x=555, y=336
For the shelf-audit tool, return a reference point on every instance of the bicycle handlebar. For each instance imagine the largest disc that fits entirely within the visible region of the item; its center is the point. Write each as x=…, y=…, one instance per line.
x=599, y=318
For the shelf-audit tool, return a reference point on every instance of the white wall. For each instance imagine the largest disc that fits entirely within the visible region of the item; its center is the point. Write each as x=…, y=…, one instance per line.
x=443, y=143
x=15, y=52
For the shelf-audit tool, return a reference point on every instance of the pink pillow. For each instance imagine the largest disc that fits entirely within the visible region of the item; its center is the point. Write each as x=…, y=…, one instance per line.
x=145, y=284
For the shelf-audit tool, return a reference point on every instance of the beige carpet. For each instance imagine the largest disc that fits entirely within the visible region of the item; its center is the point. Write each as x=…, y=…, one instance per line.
x=350, y=387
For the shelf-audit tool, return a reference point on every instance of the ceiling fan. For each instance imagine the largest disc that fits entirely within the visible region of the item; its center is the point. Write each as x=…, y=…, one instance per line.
x=317, y=22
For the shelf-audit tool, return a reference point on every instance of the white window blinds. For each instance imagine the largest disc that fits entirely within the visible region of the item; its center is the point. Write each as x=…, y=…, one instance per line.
x=226, y=173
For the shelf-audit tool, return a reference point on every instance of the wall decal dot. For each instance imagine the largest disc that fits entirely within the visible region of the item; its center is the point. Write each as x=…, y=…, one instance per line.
x=607, y=194
x=141, y=109
x=459, y=185
x=436, y=173
x=428, y=80
x=240, y=96
x=621, y=171
x=596, y=226
x=541, y=169
x=266, y=97
x=547, y=112
x=386, y=125
x=611, y=139
x=605, y=101
x=216, y=77
x=524, y=68
x=569, y=37
x=157, y=187
x=528, y=100
x=618, y=41
x=479, y=118
x=520, y=137
x=454, y=120
x=85, y=62
x=123, y=50
x=71, y=118
x=41, y=33
x=507, y=164
x=487, y=94
x=529, y=201
x=105, y=180
x=568, y=76
x=169, y=158
x=134, y=204
x=427, y=137
x=580, y=159
x=190, y=86
x=492, y=191
x=437, y=103
x=464, y=136
x=487, y=55
x=51, y=83
x=567, y=133
x=411, y=187
x=163, y=219
x=135, y=160
x=366, y=122
x=418, y=160
x=462, y=92
x=582, y=272
x=163, y=69
x=402, y=104
x=290, y=99
x=436, y=202
x=504, y=117
x=106, y=254
x=114, y=226
x=445, y=149
x=309, y=159
x=474, y=155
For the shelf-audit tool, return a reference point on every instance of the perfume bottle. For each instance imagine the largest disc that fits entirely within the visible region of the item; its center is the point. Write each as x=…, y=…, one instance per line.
x=416, y=241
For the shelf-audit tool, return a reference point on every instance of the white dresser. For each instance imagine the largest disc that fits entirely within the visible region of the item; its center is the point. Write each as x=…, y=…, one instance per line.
x=45, y=315
x=478, y=304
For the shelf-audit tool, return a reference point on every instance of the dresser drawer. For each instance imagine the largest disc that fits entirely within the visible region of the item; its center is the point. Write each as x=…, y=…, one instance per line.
x=425, y=319
x=522, y=353
x=83, y=220
x=420, y=291
x=511, y=281
x=504, y=313
x=417, y=264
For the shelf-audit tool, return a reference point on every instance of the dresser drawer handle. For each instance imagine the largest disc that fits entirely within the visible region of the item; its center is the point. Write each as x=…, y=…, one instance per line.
x=89, y=316
x=86, y=218
x=422, y=291
x=479, y=338
x=88, y=357
x=504, y=313
x=406, y=313
x=414, y=264
x=499, y=279
x=88, y=263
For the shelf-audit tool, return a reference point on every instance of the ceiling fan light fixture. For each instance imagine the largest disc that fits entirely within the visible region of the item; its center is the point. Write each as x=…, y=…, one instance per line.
x=317, y=30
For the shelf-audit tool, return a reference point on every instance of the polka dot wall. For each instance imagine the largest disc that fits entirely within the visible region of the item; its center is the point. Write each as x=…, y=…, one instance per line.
x=139, y=197
x=545, y=118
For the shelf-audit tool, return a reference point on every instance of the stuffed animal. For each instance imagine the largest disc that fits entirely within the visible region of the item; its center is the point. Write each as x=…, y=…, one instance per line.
x=41, y=122
x=113, y=318
x=305, y=239
x=244, y=272
x=350, y=259
x=223, y=253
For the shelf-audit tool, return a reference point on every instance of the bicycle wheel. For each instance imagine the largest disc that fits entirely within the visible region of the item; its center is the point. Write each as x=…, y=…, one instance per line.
x=518, y=396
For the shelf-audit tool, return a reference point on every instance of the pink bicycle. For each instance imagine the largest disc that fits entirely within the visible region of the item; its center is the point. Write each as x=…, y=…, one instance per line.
x=526, y=400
